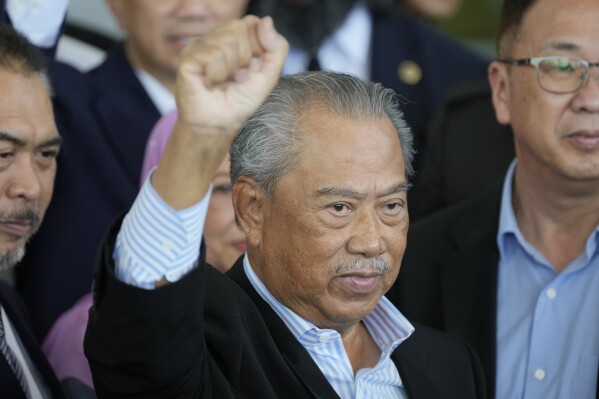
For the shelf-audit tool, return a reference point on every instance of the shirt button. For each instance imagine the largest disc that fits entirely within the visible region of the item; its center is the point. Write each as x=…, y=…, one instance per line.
x=324, y=338
x=551, y=293
x=540, y=374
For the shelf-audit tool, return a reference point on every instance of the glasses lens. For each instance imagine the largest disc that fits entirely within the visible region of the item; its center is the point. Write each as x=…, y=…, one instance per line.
x=561, y=74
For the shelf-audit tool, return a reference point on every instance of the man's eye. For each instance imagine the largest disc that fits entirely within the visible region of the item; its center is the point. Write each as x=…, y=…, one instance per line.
x=6, y=158
x=6, y=155
x=46, y=157
x=340, y=209
x=393, y=208
x=49, y=153
x=223, y=188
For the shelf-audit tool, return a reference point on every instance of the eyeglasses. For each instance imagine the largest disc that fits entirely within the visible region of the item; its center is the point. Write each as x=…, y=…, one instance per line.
x=558, y=74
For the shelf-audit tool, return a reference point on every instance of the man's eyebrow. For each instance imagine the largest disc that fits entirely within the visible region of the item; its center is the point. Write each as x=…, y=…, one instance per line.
x=349, y=193
x=56, y=141
x=561, y=46
x=4, y=136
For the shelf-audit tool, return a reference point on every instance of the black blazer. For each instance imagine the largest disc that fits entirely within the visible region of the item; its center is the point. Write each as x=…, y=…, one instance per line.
x=105, y=117
x=448, y=277
x=467, y=151
x=212, y=336
x=16, y=312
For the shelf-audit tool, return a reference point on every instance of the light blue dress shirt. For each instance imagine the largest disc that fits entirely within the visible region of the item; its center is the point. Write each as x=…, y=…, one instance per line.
x=547, y=322
x=156, y=241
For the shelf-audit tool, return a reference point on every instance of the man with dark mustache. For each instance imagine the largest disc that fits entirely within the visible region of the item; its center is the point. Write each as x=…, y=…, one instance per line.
x=319, y=171
x=29, y=144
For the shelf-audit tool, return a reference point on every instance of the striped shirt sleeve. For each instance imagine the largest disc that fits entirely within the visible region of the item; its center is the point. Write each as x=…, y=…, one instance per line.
x=156, y=241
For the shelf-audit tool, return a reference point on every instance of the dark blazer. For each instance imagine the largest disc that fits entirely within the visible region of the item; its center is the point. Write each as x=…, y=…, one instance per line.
x=443, y=62
x=212, y=336
x=105, y=117
x=467, y=151
x=17, y=313
x=448, y=277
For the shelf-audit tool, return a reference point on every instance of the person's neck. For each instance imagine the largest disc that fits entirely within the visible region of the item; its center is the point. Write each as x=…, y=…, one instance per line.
x=360, y=347
x=555, y=214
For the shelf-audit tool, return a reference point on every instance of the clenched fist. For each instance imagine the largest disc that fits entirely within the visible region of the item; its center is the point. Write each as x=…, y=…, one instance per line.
x=223, y=79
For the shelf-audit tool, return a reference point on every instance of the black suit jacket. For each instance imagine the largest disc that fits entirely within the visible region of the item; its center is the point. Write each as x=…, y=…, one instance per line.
x=105, y=117
x=467, y=151
x=17, y=313
x=448, y=277
x=212, y=336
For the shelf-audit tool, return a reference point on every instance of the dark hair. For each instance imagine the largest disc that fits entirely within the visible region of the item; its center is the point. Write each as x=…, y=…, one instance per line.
x=512, y=13
x=18, y=55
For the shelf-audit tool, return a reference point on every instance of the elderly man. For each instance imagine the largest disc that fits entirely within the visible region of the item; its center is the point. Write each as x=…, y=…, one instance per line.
x=29, y=144
x=105, y=116
x=516, y=271
x=320, y=178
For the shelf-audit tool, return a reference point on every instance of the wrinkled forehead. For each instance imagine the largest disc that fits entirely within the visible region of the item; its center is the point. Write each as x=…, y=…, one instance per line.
x=560, y=25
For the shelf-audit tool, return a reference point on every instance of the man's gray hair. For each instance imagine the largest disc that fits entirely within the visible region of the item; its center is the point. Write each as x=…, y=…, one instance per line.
x=265, y=148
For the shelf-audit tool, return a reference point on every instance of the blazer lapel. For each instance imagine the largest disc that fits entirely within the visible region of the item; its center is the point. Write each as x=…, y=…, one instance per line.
x=125, y=120
x=296, y=355
x=411, y=365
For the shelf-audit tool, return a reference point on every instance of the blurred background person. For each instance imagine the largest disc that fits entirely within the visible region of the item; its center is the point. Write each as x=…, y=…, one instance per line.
x=371, y=40
x=29, y=144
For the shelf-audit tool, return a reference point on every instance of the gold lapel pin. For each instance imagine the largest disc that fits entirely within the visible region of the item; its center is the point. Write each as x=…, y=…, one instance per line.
x=409, y=72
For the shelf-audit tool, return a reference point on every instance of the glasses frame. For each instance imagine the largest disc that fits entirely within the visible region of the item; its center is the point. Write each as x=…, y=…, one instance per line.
x=535, y=61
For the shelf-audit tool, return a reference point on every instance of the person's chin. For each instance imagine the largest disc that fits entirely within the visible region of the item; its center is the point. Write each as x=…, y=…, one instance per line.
x=10, y=259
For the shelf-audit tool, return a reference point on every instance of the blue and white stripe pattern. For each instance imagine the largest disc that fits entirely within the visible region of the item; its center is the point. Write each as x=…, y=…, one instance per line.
x=155, y=241
x=387, y=326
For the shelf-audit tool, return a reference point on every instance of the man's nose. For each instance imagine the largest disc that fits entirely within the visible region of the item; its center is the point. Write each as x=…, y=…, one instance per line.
x=24, y=179
x=194, y=7
x=587, y=97
x=366, y=238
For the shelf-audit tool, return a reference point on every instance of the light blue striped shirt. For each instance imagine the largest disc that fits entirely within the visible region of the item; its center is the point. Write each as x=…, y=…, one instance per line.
x=547, y=322
x=387, y=326
x=157, y=241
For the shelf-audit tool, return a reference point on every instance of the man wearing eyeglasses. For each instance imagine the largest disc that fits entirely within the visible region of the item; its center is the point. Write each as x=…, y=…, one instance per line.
x=516, y=270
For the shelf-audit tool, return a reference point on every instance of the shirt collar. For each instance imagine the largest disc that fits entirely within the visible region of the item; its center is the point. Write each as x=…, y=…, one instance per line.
x=346, y=50
x=160, y=96
x=508, y=225
x=387, y=326
x=507, y=218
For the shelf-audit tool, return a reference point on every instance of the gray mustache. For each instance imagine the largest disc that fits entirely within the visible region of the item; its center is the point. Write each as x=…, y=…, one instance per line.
x=29, y=213
x=374, y=264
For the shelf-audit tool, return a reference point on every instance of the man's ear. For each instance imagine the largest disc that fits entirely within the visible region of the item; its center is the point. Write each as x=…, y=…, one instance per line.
x=116, y=6
x=248, y=202
x=499, y=81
